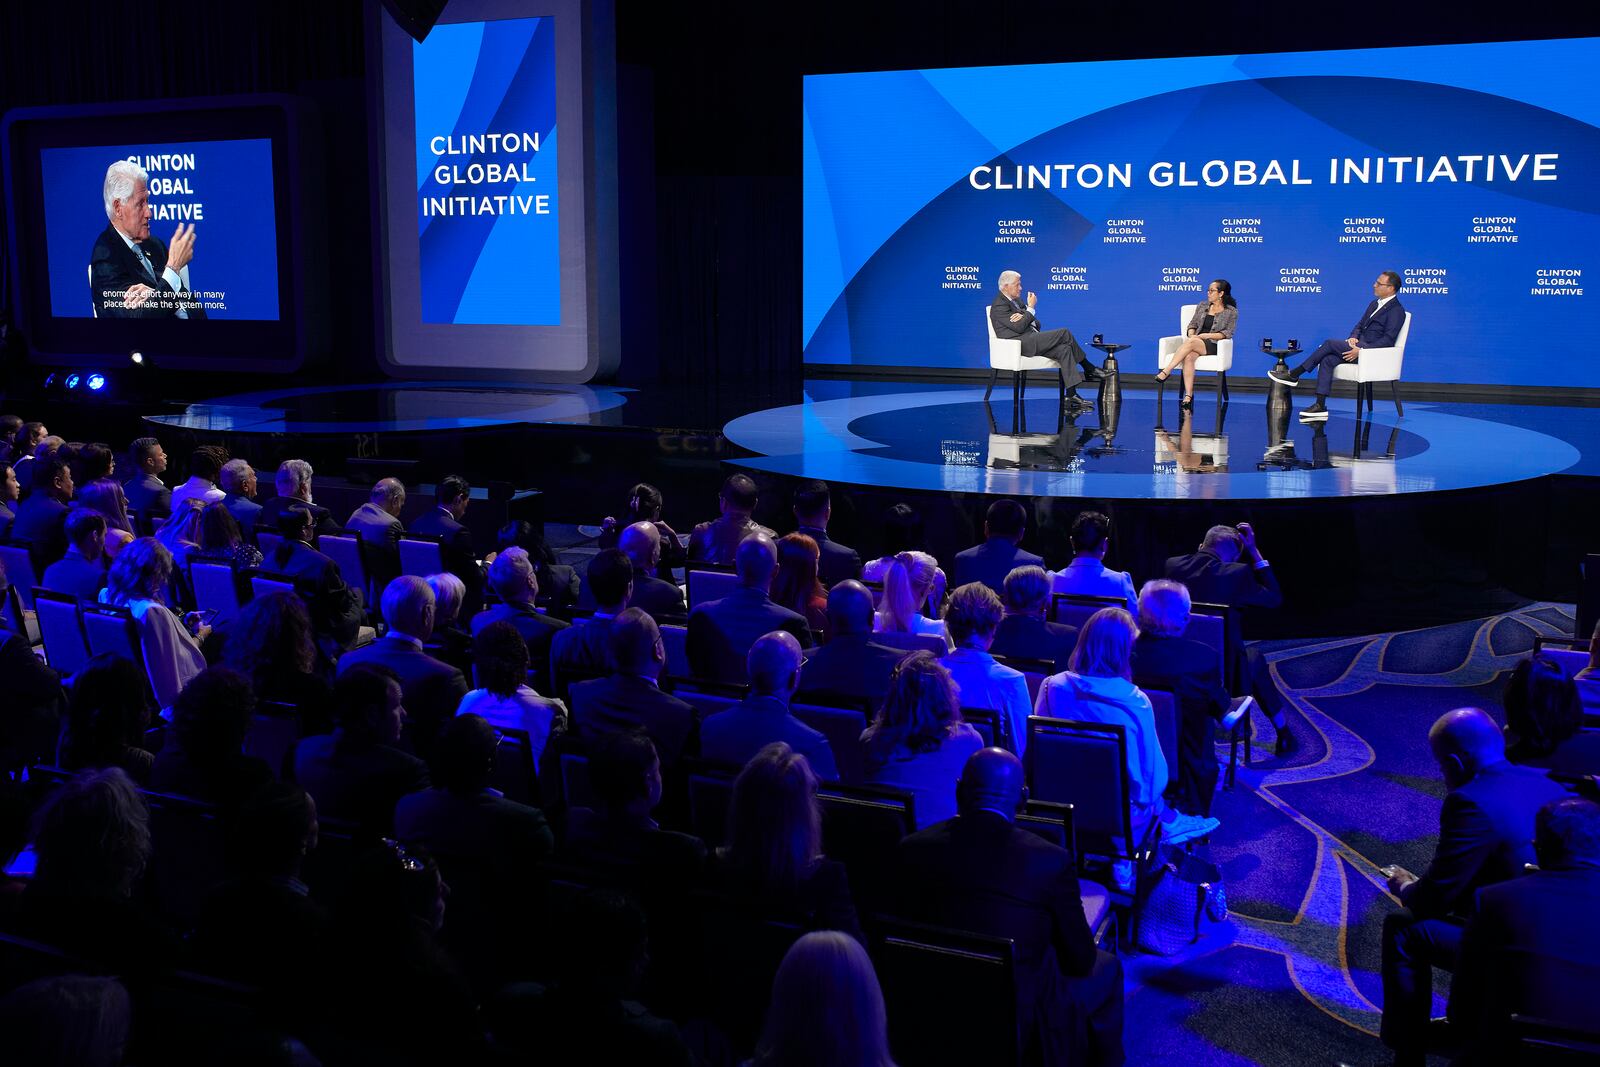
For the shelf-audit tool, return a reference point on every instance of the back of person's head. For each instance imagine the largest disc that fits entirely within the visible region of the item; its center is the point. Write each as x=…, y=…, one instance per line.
x=47, y=472
x=182, y=528
x=106, y=497
x=774, y=821
x=902, y=530
x=773, y=663
x=28, y=435
x=1464, y=741
x=212, y=715
x=271, y=636
x=1566, y=834
x=642, y=543
x=520, y=533
x=362, y=698
x=83, y=524
x=206, y=462
x=1089, y=532
x=295, y=523
x=1006, y=518
x=920, y=709
x=796, y=583
x=218, y=527
x=756, y=560
x=500, y=658
x=92, y=462
x=408, y=606
x=1027, y=590
x=67, y=1019
x=92, y=837
x=9, y=425
x=812, y=501
x=1224, y=542
x=624, y=770
x=235, y=476
x=634, y=643
x=388, y=493
x=610, y=578
x=451, y=488
x=390, y=888
x=850, y=608
x=991, y=780
x=1542, y=706
x=1164, y=608
x=739, y=493
x=106, y=711
x=604, y=945
x=463, y=755
x=449, y=592
x=294, y=475
x=973, y=611
x=272, y=831
x=139, y=572
x=644, y=503
x=826, y=1009
x=1105, y=645
x=905, y=589
x=513, y=578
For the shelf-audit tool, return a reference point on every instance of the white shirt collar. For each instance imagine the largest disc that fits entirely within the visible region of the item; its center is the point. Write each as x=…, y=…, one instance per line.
x=1382, y=302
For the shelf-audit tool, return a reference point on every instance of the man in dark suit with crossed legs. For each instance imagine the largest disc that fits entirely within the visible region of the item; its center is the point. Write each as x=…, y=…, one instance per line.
x=1014, y=319
x=1378, y=327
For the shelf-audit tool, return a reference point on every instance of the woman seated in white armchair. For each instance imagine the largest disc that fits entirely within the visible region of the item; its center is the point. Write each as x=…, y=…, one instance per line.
x=1214, y=320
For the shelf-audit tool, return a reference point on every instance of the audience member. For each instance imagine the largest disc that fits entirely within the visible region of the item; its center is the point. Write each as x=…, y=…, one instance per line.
x=48, y=447
x=980, y=872
x=1087, y=574
x=90, y=463
x=42, y=518
x=293, y=483
x=630, y=697
x=513, y=579
x=450, y=642
x=238, y=482
x=358, y=772
x=146, y=492
x=10, y=493
x=1544, y=720
x=81, y=571
x=774, y=858
x=1003, y=529
x=851, y=664
x=1592, y=671
x=336, y=608
x=619, y=833
x=205, y=466
x=500, y=658
x=180, y=536
x=796, y=585
x=642, y=544
x=559, y=585
x=9, y=425
x=718, y=541
x=1023, y=632
x=584, y=647
x=908, y=587
x=105, y=497
x=918, y=742
x=451, y=497
x=271, y=642
x=107, y=716
x=138, y=581
x=813, y=507
x=433, y=690
x=827, y=1008
x=221, y=541
x=644, y=505
x=377, y=522
x=203, y=757
x=973, y=617
x=721, y=632
x=27, y=438
x=1486, y=830
x=67, y=1019
x=30, y=713
x=736, y=735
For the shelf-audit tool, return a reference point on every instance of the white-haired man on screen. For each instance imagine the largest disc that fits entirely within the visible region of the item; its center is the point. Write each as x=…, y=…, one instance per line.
x=1014, y=318
x=131, y=274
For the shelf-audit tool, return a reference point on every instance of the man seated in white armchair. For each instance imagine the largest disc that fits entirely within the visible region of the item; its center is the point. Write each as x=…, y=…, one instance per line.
x=1378, y=327
x=1014, y=319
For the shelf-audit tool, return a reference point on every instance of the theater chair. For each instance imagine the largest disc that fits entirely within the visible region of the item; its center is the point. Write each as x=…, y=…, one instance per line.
x=1377, y=365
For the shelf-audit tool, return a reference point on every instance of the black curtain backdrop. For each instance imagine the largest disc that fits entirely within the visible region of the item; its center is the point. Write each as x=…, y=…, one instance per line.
x=709, y=110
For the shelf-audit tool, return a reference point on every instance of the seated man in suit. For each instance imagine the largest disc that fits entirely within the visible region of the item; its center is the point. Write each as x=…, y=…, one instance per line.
x=631, y=697
x=735, y=735
x=514, y=580
x=1087, y=574
x=455, y=541
x=145, y=491
x=359, y=772
x=379, y=526
x=81, y=572
x=336, y=609
x=620, y=832
x=980, y=872
x=432, y=689
x=293, y=482
x=1023, y=632
x=1000, y=553
x=585, y=646
x=813, y=506
x=1013, y=318
x=641, y=542
x=718, y=541
x=851, y=664
x=1485, y=837
x=722, y=631
x=1378, y=327
x=10, y=493
x=42, y=518
x=239, y=494
x=1533, y=947
x=132, y=275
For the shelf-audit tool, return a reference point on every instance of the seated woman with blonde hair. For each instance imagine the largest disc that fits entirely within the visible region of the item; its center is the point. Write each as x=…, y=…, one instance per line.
x=908, y=588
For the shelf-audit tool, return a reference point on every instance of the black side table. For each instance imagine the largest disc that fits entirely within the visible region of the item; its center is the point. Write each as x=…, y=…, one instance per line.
x=1277, y=393
x=1111, y=383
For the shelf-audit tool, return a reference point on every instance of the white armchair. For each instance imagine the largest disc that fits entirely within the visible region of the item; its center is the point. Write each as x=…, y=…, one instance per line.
x=1005, y=353
x=1221, y=363
x=1377, y=365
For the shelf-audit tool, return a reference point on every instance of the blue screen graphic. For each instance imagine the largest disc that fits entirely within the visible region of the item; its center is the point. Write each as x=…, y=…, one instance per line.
x=223, y=187
x=1119, y=190
x=486, y=173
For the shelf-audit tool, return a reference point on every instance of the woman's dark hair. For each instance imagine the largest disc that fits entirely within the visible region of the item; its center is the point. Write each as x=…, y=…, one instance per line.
x=91, y=463
x=271, y=635
x=361, y=698
x=644, y=504
x=774, y=821
x=92, y=836
x=919, y=710
x=902, y=530
x=1227, y=292
x=1089, y=531
x=106, y=712
x=1542, y=707
x=520, y=533
x=618, y=764
x=218, y=527
x=500, y=658
x=212, y=714
x=463, y=756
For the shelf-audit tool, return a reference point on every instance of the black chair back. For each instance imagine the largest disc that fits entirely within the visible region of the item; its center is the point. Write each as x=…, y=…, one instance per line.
x=187, y=853
x=1074, y=609
x=861, y=827
x=61, y=628
x=1084, y=764
x=421, y=555
x=991, y=726
x=710, y=791
x=17, y=560
x=514, y=771
x=1165, y=706
x=273, y=733
x=918, y=965
x=842, y=726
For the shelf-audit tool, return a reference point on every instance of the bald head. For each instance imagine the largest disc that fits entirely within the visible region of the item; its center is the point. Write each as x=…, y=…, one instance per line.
x=1464, y=741
x=850, y=608
x=756, y=561
x=992, y=780
x=774, y=663
x=390, y=495
x=636, y=644
x=641, y=542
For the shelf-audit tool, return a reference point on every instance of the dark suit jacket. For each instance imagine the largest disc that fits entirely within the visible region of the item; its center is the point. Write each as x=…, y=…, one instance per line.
x=485, y=827
x=1029, y=637
x=227, y=782
x=431, y=690
x=1191, y=670
x=1211, y=581
x=147, y=493
x=837, y=563
x=852, y=665
x=336, y=609
x=717, y=541
x=75, y=575
x=979, y=872
x=1380, y=330
x=274, y=506
x=821, y=901
x=358, y=783
x=623, y=701
x=990, y=562
x=1485, y=837
x=380, y=531
x=7, y=517
x=460, y=557
x=41, y=521
x=113, y=266
x=1024, y=329
x=539, y=631
x=722, y=631
x=661, y=856
x=583, y=646
x=735, y=735
x=245, y=512
x=656, y=598
x=258, y=931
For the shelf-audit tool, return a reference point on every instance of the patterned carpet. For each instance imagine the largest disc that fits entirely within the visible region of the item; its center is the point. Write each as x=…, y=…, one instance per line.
x=1293, y=977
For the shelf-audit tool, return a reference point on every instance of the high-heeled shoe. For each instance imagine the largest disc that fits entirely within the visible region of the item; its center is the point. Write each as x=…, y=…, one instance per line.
x=1187, y=403
x=1163, y=375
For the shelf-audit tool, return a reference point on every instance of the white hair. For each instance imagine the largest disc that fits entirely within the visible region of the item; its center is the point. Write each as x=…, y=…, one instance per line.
x=121, y=177
x=1009, y=276
x=292, y=474
x=1164, y=607
x=234, y=473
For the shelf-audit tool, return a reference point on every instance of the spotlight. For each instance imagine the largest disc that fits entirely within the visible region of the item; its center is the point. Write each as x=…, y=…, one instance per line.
x=73, y=380
x=96, y=382
x=136, y=357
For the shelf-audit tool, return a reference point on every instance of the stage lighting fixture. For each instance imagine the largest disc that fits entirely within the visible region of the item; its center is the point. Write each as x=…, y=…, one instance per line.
x=73, y=380
x=96, y=382
x=136, y=357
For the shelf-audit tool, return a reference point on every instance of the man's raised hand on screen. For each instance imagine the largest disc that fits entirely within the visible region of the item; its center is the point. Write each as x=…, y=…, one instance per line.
x=136, y=296
x=180, y=250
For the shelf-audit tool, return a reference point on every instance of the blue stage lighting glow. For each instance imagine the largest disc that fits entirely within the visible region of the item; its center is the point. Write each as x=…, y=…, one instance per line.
x=96, y=382
x=73, y=380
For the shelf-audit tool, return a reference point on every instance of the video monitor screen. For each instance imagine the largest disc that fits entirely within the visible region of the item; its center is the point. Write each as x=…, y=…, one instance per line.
x=1120, y=190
